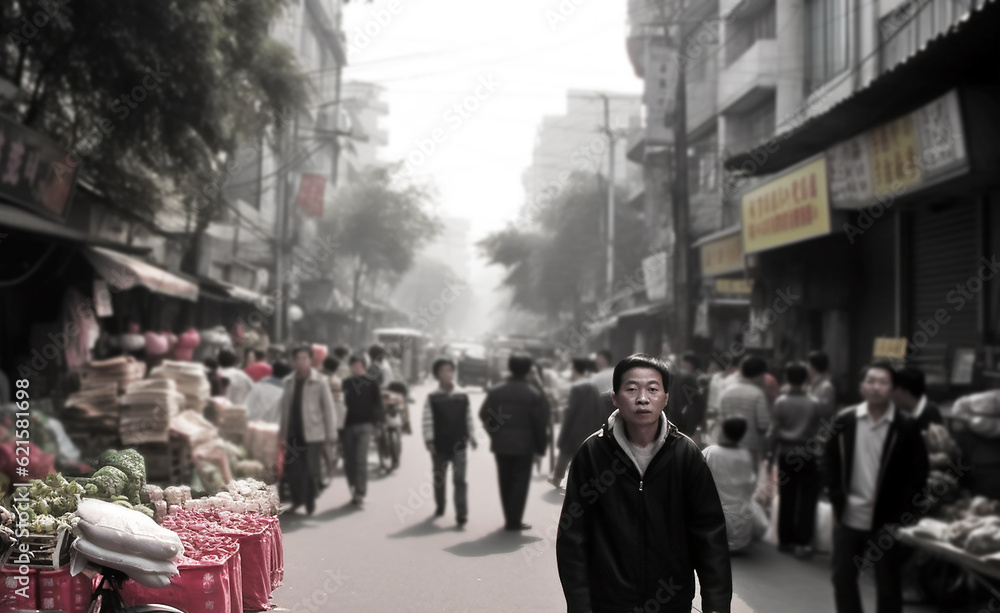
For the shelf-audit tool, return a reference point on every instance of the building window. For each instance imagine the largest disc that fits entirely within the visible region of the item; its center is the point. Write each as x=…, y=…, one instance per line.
x=703, y=166
x=905, y=30
x=826, y=40
x=753, y=127
x=746, y=30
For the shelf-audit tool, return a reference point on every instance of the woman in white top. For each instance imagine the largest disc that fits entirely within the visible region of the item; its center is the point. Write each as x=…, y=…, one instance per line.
x=733, y=471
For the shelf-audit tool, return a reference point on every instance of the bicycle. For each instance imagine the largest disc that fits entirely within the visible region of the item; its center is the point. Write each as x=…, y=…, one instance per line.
x=107, y=598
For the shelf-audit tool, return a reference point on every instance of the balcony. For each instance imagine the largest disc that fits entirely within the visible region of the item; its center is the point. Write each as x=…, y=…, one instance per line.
x=649, y=137
x=751, y=78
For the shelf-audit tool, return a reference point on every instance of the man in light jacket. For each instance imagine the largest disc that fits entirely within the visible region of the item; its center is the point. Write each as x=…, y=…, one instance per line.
x=308, y=425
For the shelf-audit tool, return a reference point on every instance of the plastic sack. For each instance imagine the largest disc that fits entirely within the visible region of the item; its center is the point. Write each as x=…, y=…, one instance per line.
x=823, y=539
x=197, y=587
x=137, y=567
x=119, y=529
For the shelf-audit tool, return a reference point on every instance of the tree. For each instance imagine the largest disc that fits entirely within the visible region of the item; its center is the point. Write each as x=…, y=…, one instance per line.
x=380, y=225
x=154, y=99
x=551, y=264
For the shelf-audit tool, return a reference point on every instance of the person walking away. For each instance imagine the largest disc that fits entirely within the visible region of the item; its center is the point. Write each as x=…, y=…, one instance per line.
x=793, y=434
x=331, y=368
x=604, y=371
x=584, y=416
x=308, y=425
x=746, y=399
x=820, y=385
x=536, y=377
x=264, y=401
x=448, y=428
x=875, y=467
x=515, y=415
x=736, y=480
x=381, y=369
x=363, y=399
x=240, y=383
x=910, y=395
x=640, y=536
x=256, y=368
x=687, y=405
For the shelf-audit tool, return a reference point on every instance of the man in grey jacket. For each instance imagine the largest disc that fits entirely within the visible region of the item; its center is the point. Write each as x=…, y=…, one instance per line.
x=308, y=425
x=746, y=399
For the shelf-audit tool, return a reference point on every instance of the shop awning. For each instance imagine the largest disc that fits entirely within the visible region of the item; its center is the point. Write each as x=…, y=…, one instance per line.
x=17, y=218
x=235, y=293
x=962, y=54
x=714, y=236
x=124, y=272
x=646, y=309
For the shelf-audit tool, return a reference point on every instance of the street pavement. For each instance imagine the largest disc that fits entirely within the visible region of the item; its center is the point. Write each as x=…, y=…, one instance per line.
x=393, y=555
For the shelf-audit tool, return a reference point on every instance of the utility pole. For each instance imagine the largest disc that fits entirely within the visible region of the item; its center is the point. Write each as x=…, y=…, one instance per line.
x=281, y=212
x=681, y=208
x=610, y=271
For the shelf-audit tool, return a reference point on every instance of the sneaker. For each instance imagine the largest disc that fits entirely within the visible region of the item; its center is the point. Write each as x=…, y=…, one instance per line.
x=438, y=512
x=462, y=521
x=516, y=528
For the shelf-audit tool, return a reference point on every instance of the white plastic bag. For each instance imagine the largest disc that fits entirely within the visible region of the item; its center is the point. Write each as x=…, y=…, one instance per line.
x=123, y=530
x=151, y=573
x=823, y=539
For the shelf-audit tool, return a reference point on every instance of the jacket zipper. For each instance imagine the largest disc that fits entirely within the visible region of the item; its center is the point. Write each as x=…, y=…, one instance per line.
x=642, y=523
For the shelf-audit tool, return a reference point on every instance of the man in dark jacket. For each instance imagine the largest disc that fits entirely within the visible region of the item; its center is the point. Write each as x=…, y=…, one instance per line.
x=688, y=401
x=875, y=466
x=911, y=396
x=642, y=513
x=516, y=415
x=447, y=426
x=584, y=415
x=363, y=399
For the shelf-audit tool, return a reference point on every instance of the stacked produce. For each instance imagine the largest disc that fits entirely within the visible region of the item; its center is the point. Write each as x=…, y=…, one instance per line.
x=241, y=496
x=114, y=537
x=93, y=409
x=191, y=382
x=146, y=410
x=971, y=524
x=263, y=446
x=119, y=371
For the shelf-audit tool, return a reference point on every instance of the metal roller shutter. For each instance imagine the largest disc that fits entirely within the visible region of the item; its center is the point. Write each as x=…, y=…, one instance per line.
x=944, y=255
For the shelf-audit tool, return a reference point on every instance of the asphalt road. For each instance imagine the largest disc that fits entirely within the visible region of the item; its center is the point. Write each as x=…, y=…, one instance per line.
x=393, y=555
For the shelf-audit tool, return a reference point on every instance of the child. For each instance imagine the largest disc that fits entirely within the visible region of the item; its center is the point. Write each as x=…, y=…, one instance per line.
x=735, y=477
x=448, y=429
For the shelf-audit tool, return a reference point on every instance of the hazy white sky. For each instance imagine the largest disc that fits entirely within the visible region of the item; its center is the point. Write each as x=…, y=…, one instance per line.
x=433, y=54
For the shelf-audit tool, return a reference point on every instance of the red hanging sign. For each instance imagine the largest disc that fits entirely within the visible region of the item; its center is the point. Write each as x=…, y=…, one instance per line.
x=311, y=189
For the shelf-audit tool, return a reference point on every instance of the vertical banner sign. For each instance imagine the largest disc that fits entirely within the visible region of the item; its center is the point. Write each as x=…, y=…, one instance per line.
x=657, y=270
x=788, y=209
x=661, y=73
x=893, y=149
x=311, y=189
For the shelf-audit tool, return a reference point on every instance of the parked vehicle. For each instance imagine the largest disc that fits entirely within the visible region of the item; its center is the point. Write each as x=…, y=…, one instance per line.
x=409, y=348
x=471, y=364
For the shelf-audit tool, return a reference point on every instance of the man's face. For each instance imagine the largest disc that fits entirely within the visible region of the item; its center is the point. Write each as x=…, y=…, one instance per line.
x=904, y=399
x=876, y=387
x=303, y=363
x=446, y=375
x=358, y=369
x=601, y=363
x=641, y=397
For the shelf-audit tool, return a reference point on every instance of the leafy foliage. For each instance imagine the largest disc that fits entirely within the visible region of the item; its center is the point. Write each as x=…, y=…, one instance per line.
x=152, y=96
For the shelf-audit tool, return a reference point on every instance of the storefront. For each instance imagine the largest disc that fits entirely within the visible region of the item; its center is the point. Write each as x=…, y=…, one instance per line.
x=724, y=292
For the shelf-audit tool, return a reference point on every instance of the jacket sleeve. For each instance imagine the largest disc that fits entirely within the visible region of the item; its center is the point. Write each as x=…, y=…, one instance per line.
x=379, y=404
x=707, y=540
x=329, y=411
x=283, y=409
x=831, y=469
x=919, y=466
x=574, y=539
x=571, y=415
x=428, y=422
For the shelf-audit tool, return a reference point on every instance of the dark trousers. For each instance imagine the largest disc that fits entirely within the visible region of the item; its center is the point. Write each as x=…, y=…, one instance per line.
x=458, y=460
x=798, y=491
x=858, y=551
x=357, y=439
x=302, y=472
x=514, y=474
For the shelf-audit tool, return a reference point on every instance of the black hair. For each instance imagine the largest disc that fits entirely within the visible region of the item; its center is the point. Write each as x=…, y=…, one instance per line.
x=400, y=388
x=692, y=359
x=376, y=352
x=583, y=365
x=606, y=354
x=796, y=373
x=640, y=360
x=818, y=360
x=354, y=359
x=341, y=352
x=752, y=367
x=227, y=358
x=211, y=364
x=297, y=350
x=734, y=427
x=331, y=364
x=885, y=365
x=912, y=380
x=281, y=369
x=441, y=363
x=519, y=364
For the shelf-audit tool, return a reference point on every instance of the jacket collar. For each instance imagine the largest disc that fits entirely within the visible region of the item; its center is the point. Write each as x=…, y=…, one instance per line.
x=615, y=430
x=314, y=376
